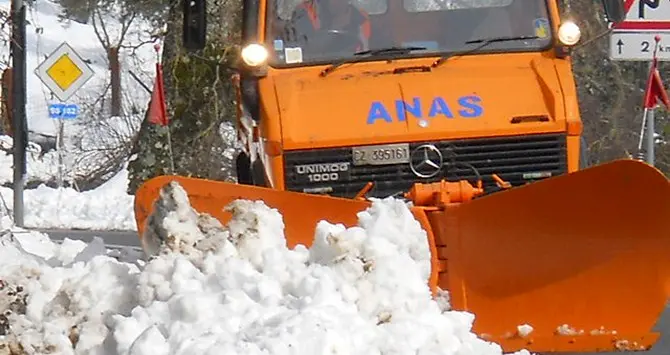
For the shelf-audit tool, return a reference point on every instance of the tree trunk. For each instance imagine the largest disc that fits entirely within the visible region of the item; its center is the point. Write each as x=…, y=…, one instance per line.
x=7, y=123
x=199, y=100
x=115, y=73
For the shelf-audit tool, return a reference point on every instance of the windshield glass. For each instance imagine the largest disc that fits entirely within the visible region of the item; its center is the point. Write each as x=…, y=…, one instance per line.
x=326, y=31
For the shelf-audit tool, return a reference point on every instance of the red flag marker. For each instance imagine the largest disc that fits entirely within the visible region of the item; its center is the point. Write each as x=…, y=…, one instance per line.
x=158, y=107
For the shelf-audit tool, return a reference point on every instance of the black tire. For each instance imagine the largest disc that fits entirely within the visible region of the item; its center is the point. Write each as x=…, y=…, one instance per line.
x=243, y=169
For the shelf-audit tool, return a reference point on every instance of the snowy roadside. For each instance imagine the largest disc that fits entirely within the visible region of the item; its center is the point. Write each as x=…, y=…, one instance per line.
x=108, y=207
x=235, y=289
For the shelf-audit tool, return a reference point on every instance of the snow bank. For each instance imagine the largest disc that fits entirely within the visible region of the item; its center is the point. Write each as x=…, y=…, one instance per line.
x=237, y=289
x=108, y=207
x=51, y=298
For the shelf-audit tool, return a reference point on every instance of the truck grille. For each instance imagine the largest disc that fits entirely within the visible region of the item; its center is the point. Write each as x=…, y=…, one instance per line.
x=516, y=159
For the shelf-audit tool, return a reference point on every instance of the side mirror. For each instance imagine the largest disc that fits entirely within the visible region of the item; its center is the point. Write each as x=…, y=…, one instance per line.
x=615, y=10
x=194, y=34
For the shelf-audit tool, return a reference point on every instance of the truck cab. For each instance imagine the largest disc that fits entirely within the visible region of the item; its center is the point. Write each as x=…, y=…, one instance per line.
x=334, y=94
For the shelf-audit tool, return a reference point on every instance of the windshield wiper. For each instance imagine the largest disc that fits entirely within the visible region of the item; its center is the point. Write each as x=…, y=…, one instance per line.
x=401, y=50
x=369, y=53
x=483, y=42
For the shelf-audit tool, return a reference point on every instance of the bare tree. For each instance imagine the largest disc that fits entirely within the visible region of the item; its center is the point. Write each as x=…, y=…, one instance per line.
x=112, y=43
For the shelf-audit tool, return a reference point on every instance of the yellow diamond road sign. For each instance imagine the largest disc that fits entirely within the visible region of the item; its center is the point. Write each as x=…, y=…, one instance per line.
x=64, y=72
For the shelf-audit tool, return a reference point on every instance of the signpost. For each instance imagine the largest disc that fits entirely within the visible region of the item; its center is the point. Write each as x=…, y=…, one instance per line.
x=17, y=49
x=62, y=112
x=64, y=72
x=634, y=39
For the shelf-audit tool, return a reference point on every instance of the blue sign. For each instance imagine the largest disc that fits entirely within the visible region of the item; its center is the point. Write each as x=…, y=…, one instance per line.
x=468, y=107
x=63, y=111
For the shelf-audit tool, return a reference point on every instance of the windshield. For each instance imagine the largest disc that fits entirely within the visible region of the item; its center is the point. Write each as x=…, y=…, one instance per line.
x=325, y=31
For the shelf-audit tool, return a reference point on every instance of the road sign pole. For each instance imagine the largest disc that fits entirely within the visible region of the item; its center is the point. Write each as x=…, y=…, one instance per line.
x=61, y=145
x=650, y=137
x=18, y=53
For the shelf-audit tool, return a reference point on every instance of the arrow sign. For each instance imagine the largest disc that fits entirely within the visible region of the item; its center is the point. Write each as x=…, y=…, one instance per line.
x=633, y=39
x=639, y=46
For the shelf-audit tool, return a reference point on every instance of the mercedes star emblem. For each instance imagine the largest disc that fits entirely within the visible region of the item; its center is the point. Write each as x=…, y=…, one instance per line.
x=430, y=161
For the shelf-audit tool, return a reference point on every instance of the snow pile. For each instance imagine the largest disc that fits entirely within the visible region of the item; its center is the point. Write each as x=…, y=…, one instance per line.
x=109, y=207
x=52, y=296
x=238, y=289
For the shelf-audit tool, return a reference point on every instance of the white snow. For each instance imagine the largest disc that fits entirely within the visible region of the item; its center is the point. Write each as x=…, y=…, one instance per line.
x=108, y=207
x=524, y=330
x=237, y=289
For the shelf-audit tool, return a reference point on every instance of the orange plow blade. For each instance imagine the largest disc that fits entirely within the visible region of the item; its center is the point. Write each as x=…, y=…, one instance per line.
x=588, y=252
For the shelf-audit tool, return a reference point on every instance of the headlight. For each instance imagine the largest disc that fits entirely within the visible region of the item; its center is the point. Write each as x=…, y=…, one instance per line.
x=569, y=33
x=254, y=54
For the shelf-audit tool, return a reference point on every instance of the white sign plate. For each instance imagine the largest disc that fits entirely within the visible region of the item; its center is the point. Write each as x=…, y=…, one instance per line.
x=639, y=46
x=64, y=72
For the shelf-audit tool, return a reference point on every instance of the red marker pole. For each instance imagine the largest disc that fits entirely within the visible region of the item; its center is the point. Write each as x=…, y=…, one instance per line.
x=654, y=90
x=651, y=124
x=160, y=100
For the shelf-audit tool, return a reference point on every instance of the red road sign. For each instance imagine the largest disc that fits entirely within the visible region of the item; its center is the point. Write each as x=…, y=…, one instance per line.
x=646, y=15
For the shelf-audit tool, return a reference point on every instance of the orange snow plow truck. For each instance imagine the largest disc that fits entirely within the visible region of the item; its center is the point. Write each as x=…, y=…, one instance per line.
x=468, y=110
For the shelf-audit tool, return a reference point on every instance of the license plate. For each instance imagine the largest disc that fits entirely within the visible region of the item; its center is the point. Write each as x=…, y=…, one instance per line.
x=381, y=154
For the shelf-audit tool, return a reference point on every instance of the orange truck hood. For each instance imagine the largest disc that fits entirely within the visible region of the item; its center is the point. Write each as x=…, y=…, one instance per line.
x=356, y=105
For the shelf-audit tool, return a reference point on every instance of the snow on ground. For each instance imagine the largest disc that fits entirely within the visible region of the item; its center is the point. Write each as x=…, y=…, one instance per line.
x=235, y=289
x=108, y=207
